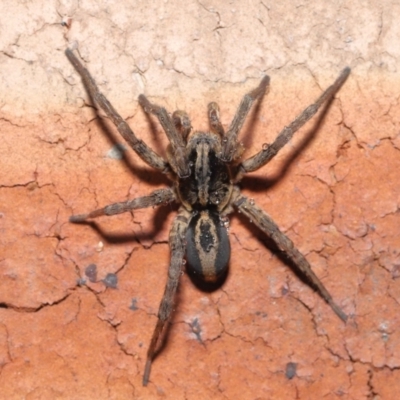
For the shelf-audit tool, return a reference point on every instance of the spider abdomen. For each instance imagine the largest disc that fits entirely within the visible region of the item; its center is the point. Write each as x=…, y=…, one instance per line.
x=208, y=247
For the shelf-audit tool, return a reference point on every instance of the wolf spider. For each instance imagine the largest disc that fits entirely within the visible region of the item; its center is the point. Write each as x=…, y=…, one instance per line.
x=205, y=170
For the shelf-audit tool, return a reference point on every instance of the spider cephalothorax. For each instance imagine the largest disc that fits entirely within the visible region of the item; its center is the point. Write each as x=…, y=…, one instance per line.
x=205, y=168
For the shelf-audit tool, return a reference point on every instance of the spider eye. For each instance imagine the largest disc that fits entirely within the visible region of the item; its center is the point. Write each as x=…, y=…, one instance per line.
x=208, y=248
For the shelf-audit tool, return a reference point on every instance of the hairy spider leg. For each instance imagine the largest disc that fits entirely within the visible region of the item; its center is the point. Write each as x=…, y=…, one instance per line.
x=230, y=141
x=264, y=222
x=156, y=198
x=267, y=153
x=148, y=155
x=177, y=242
x=177, y=141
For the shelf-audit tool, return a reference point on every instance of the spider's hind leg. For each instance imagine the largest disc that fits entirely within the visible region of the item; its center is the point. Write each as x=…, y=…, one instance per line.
x=177, y=242
x=261, y=219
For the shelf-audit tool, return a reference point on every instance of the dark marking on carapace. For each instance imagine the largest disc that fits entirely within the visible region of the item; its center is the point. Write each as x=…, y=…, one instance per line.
x=209, y=181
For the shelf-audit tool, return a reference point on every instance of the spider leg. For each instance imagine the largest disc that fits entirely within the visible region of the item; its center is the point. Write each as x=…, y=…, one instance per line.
x=230, y=142
x=182, y=123
x=156, y=198
x=177, y=143
x=268, y=152
x=177, y=242
x=267, y=225
x=213, y=118
x=141, y=149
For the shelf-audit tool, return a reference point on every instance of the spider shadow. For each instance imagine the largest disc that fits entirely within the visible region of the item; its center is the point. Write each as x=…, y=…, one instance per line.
x=159, y=217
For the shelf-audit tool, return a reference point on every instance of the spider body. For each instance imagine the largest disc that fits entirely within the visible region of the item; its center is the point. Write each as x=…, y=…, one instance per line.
x=205, y=193
x=205, y=169
x=207, y=245
x=209, y=183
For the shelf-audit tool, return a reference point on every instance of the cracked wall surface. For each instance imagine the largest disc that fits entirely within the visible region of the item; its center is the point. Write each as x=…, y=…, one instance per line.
x=78, y=303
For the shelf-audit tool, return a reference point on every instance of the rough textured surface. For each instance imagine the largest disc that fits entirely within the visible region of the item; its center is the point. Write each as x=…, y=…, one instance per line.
x=335, y=190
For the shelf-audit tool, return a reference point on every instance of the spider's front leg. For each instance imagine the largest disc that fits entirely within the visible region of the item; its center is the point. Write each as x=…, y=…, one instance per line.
x=182, y=123
x=267, y=225
x=142, y=150
x=177, y=141
x=213, y=119
x=268, y=152
x=230, y=140
x=177, y=242
x=156, y=198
